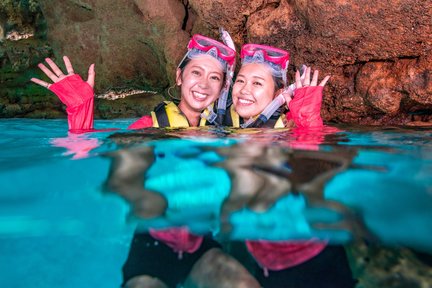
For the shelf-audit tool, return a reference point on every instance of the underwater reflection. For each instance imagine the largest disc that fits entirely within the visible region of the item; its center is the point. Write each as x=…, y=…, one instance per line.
x=195, y=196
x=233, y=187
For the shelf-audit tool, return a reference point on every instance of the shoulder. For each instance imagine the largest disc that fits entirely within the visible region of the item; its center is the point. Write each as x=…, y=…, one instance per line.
x=144, y=122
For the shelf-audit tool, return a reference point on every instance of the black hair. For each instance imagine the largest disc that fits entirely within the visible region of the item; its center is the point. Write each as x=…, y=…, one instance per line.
x=279, y=83
x=183, y=64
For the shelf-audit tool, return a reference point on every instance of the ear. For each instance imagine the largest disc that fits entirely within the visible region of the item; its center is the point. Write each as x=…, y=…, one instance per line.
x=178, y=77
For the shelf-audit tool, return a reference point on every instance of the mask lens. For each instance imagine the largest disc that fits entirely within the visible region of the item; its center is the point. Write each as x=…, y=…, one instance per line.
x=207, y=44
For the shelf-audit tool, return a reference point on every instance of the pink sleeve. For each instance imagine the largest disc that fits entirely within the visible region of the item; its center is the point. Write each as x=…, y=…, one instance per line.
x=305, y=108
x=78, y=96
x=144, y=122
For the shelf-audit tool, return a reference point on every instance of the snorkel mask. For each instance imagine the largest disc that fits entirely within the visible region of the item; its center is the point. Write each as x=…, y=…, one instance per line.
x=199, y=45
x=277, y=60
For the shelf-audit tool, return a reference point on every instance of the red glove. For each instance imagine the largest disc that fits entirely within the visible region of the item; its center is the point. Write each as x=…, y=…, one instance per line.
x=305, y=107
x=78, y=96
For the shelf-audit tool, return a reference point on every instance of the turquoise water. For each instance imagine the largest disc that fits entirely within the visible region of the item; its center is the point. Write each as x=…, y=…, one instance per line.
x=60, y=228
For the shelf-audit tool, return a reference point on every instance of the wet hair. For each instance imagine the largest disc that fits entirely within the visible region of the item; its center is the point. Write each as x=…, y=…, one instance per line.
x=279, y=83
x=184, y=63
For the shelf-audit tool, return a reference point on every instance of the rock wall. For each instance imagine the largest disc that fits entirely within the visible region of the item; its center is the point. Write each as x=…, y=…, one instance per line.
x=378, y=52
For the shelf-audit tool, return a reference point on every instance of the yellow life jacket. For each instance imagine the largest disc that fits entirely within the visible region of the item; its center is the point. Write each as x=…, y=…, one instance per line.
x=233, y=119
x=167, y=114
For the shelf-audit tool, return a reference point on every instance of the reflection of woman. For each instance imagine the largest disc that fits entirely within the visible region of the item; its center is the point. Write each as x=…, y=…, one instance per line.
x=309, y=263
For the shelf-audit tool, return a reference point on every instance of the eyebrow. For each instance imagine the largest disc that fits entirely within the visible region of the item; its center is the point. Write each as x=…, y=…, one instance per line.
x=199, y=67
x=254, y=76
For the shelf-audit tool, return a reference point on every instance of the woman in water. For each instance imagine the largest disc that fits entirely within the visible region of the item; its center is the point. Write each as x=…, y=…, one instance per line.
x=259, y=91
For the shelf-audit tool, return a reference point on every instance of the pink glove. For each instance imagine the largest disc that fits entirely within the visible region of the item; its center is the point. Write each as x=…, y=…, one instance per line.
x=305, y=107
x=77, y=95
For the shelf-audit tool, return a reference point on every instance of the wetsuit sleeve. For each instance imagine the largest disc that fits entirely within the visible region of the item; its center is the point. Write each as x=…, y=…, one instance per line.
x=306, y=106
x=78, y=96
x=144, y=122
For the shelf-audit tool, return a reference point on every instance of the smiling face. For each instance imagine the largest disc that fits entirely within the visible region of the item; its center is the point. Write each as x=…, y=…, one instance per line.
x=253, y=90
x=201, y=82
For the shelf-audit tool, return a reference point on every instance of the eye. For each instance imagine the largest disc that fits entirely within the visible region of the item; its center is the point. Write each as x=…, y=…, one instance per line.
x=239, y=81
x=216, y=78
x=256, y=83
x=196, y=72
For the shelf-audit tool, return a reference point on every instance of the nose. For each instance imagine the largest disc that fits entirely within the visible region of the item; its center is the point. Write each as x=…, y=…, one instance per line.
x=203, y=83
x=245, y=89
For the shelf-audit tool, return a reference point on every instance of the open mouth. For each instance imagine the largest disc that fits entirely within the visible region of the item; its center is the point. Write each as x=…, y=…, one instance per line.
x=245, y=102
x=199, y=96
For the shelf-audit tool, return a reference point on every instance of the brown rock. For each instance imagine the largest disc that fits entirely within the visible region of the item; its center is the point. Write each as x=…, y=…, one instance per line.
x=130, y=41
x=379, y=54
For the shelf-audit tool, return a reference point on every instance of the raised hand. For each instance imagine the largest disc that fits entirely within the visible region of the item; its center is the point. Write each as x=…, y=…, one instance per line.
x=305, y=106
x=73, y=91
x=56, y=74
x=306, y=81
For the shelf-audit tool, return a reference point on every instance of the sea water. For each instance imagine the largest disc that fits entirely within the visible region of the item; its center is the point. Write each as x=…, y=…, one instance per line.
x=61, y=227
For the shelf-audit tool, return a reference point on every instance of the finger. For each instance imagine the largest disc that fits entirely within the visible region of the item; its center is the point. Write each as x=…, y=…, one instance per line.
x=54, y=67
x=303, y=71
x=298, y=79
x=288, y=96
x=314, y=78
x=91, y=75
x=48, y=72
x=40, y=82
x=306, y=81
x=68, y=65
x=324, y=81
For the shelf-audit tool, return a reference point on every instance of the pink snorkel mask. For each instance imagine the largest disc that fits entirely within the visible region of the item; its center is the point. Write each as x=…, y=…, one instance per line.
x=277, y=59
x=199, y=45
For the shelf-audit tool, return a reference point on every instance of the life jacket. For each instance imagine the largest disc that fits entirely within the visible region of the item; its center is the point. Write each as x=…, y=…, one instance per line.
x=234, y=120
x=167, y=114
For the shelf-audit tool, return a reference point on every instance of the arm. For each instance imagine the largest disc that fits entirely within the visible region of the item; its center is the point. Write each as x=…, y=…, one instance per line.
x=144, y=122
x=75, y=93
x=305, y=106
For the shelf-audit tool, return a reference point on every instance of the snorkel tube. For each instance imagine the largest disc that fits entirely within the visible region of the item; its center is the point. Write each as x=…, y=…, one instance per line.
x=223, y=98
x=266, y=114
x=271, y=108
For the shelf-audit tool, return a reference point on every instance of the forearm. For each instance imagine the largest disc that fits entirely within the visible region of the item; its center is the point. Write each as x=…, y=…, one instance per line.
x=305, y=107
x=78, y=97
x=81, y=117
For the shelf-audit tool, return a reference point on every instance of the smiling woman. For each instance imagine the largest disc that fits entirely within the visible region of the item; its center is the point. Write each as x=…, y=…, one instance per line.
x=200, y=75
x=261, y=88
x=253, y=89
x=201, y=82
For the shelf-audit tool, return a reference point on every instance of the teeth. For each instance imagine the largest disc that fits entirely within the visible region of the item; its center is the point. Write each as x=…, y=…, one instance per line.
x=245, y=101
x=200, y=95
